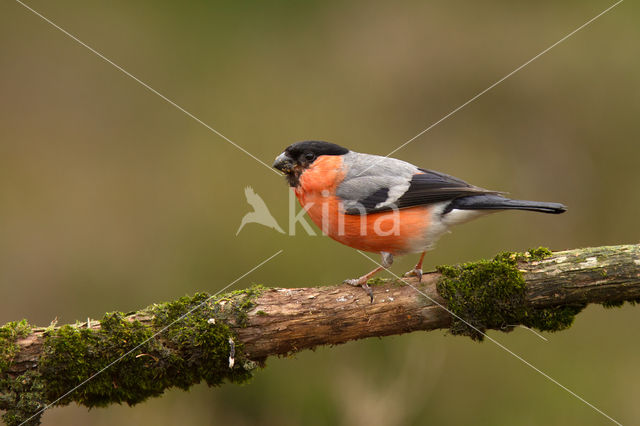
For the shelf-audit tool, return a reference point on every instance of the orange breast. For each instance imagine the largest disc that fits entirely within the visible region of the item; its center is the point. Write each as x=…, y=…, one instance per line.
x=395, y=232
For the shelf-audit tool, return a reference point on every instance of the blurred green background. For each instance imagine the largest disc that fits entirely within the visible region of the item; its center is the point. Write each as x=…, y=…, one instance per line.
x=112, y=199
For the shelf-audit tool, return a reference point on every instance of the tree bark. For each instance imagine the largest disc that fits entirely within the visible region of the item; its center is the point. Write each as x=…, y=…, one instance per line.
x=302, y=318
x=277, y=321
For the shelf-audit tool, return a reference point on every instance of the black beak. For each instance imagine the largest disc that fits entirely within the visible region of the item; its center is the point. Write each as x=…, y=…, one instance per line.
x=283, y=163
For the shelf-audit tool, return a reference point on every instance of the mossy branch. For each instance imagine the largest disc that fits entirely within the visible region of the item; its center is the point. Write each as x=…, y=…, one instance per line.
x=223, y=338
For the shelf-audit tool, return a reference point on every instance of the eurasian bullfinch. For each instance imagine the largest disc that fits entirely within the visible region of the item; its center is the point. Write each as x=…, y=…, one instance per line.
x=384, y=205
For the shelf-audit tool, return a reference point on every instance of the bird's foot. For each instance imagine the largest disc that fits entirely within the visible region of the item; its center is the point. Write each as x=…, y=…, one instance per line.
x=416, y=272
x=361, y=282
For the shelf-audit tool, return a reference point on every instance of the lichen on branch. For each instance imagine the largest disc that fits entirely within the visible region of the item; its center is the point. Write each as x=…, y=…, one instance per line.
x=131, y=357
x=491, y=294
x=175, y=344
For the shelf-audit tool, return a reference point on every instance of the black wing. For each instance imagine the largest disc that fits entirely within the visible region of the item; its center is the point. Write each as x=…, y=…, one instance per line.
x=425, y=188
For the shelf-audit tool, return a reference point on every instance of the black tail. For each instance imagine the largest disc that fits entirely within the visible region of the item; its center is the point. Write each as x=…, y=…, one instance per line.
x=497, y=202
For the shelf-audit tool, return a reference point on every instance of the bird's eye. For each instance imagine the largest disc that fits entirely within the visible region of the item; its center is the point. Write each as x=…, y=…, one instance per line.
x=309, y=156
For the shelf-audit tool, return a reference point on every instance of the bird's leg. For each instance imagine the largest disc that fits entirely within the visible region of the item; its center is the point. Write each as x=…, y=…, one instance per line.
x=417, y=270
x=387, y=261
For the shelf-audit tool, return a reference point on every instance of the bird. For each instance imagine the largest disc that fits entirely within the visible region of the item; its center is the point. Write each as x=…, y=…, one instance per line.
x=385, y=205
x=260, y=213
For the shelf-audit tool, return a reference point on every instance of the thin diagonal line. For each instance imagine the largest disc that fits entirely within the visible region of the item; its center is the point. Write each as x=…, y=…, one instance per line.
x=534, y=332
x=500, y=345
x=162, y=330
x=145, y=85
x=497, y=83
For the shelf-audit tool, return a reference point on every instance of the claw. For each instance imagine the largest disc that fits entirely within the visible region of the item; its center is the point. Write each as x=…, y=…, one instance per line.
x=387, y=260
x=414, y=273
x=369, y=291
x=361, y=282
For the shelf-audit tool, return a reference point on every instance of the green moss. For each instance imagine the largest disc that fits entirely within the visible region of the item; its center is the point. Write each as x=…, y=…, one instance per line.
x=9, y=333
x=234, y=306
x=179, y=344
x=492, y=294
x=539, y=253
x=21, y=398
x=72, y=355
x=377, y=281
x=22, y=394
x=620, y=303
